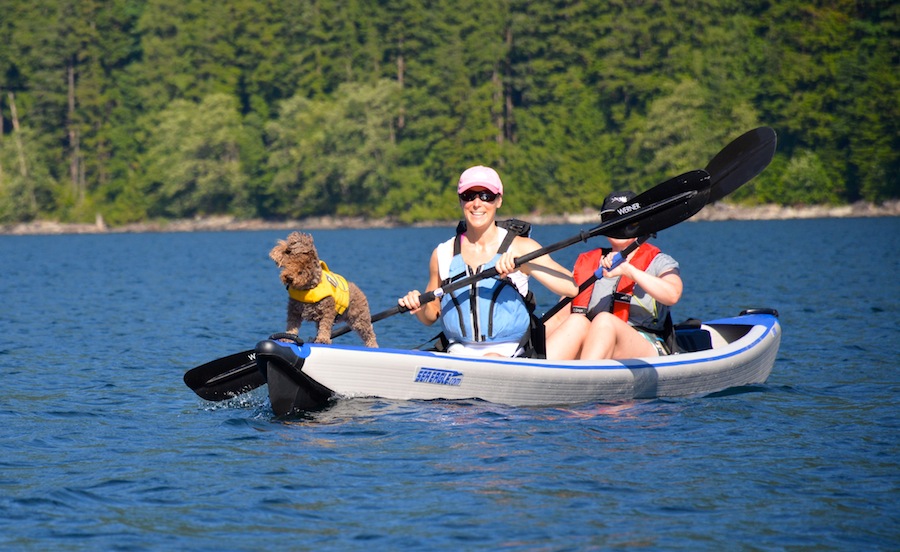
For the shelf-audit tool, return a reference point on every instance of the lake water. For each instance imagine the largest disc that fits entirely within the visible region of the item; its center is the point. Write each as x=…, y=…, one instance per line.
x=102, y=447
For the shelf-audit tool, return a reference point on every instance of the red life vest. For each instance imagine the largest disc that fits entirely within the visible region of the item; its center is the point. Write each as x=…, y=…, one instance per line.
x=588, y=262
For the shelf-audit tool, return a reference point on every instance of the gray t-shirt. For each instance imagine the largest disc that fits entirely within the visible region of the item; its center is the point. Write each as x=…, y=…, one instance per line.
x=645, y=311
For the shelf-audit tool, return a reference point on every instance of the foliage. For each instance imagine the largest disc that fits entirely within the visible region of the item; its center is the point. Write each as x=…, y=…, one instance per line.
x=323, y=152
x=137, y=109
x=193, y=161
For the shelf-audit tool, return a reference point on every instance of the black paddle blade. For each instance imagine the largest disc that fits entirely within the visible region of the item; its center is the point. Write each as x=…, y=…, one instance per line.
x=225, y=378
x=740, y=161
x=665, y=205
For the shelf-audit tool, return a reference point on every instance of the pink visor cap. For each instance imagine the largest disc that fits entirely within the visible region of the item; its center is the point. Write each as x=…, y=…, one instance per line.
x=480, y=176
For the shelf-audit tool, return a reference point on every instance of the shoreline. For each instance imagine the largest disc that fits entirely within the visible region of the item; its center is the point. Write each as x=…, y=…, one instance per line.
x=714, y=212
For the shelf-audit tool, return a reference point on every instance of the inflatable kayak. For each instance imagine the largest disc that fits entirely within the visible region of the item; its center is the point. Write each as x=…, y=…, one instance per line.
x=712, y=356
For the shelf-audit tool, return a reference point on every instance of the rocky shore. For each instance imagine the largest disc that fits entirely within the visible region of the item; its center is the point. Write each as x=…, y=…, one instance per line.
x=715, y=212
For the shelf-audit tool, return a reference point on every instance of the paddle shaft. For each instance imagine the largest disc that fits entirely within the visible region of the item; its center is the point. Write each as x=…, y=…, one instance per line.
x=519, y=261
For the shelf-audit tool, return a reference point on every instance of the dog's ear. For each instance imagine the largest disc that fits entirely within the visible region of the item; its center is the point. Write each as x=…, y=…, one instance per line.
x=305, y=241
x=302, y=243
x=277, y=252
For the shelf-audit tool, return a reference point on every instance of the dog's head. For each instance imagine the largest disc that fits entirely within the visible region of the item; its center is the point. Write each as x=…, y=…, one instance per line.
x=299, y=261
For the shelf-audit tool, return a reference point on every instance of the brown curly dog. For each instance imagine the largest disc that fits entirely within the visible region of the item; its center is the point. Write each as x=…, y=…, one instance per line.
x=314, y=297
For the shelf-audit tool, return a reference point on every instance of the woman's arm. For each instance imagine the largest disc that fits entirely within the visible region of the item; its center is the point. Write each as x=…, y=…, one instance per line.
x=429, y=312
x=544, y=269
x=666, y=288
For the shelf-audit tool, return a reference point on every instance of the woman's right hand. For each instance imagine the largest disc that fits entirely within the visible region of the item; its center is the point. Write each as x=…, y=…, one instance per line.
x=614, y=265
x=410, y=301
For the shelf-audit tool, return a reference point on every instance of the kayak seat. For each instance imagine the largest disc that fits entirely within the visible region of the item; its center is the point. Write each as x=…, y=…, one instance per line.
x=693, y=340
x=691, y=336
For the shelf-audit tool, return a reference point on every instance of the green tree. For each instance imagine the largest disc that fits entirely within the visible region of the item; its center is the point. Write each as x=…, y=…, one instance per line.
x=99, y=44
x=560, y=152
x=805, y=180
x=453, y=96
x=679, y=135
x=807, y=41
x=34, y=71
x=188, y=52
x=333, y=157
x=868, y=80
x=25, y=181
x=193, y=160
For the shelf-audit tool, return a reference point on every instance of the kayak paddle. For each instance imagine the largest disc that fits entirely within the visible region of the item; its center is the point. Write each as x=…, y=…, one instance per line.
x=738, y=163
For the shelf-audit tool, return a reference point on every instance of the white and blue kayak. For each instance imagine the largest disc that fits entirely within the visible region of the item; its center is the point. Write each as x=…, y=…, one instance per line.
x=713, y=356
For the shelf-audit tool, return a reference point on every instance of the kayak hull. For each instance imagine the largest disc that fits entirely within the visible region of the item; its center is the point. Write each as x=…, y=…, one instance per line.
x=735, y=352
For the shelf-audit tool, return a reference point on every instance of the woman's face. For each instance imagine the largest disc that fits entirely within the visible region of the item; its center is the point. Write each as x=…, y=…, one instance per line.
x=479, y=206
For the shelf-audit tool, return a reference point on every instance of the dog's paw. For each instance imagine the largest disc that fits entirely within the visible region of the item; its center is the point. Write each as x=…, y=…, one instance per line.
x=322, y=340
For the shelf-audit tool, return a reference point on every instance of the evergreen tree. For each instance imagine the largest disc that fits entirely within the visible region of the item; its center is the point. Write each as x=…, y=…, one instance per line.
x=193, y=160
x=333, y=157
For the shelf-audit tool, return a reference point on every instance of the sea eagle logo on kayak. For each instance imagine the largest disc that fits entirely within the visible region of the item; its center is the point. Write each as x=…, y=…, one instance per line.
x=438, y=376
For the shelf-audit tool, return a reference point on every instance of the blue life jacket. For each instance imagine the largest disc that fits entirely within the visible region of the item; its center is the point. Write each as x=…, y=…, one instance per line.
x=490, y=310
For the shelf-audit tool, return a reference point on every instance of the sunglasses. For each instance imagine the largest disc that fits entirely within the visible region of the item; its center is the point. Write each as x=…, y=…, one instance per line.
x=483, y=195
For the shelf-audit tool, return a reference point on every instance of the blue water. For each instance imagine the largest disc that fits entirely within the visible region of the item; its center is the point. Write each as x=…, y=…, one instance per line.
x=102, y=447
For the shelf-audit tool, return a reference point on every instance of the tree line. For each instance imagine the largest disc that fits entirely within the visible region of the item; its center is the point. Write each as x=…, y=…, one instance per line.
x=154, y=109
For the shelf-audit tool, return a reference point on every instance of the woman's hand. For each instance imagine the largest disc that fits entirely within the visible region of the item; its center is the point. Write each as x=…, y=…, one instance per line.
x=410, y=301
x=506, y=264
x=624, y=268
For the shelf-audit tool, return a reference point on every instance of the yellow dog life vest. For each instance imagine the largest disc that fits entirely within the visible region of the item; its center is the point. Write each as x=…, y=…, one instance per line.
x=332, y=285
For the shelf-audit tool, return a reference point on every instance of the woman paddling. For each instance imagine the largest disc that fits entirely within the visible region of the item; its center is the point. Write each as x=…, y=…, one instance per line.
x=624, y=314
x=491, y=316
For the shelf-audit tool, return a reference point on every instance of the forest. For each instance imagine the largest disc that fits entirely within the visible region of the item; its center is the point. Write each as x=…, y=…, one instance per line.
x=137, y=110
